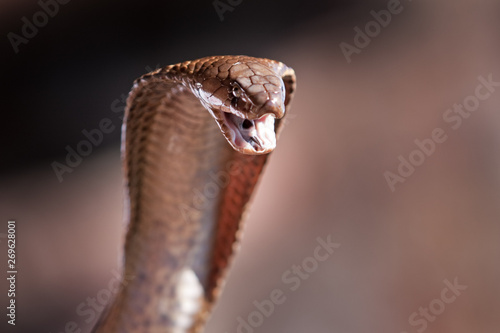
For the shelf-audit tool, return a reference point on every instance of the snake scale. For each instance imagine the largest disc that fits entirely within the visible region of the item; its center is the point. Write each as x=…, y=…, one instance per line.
x=188, y=186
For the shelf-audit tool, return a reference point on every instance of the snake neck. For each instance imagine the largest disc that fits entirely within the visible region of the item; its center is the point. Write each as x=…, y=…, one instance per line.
x=175, y=146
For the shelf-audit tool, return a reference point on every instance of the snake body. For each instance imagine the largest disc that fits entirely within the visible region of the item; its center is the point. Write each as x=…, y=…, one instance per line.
x=188, y=185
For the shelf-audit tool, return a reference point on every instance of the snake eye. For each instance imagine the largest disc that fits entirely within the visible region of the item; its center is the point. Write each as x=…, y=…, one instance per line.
x=236, y=91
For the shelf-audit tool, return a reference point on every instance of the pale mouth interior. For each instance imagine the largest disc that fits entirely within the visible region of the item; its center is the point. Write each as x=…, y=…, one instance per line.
x=251, y=136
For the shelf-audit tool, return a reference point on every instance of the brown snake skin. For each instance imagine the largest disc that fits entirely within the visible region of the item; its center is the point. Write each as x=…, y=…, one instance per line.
x=187, y=187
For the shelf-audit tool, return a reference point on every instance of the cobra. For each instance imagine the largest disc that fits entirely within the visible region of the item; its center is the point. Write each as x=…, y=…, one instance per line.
x=181, y=237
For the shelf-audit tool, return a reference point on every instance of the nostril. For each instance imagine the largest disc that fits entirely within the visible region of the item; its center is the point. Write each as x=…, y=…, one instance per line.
x=246, y=124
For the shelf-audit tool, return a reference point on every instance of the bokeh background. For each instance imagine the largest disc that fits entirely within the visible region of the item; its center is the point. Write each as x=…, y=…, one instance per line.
x=349, y=124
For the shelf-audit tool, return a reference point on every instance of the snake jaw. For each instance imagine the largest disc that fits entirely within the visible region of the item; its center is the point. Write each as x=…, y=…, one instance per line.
x=247, y=136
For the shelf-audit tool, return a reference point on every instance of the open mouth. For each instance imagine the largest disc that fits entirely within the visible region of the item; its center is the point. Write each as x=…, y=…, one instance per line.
x=254, y=136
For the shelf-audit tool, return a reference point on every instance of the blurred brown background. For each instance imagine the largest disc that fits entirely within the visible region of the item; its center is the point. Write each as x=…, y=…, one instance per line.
x=349, y=124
